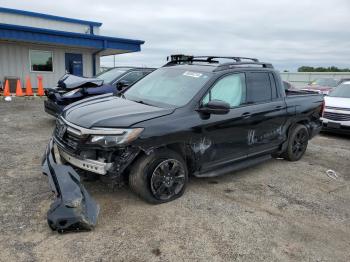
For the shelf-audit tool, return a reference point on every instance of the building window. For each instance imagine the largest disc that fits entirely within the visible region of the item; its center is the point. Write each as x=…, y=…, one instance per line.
x=40, y=61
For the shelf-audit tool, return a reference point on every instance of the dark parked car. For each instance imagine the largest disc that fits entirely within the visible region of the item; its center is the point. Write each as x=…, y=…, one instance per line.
x=194, y=116
x=72, y=88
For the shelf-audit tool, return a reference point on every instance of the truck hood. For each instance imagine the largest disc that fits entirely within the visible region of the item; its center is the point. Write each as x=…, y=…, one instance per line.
x=340, y=102
x=71, y=82
x=111, y=112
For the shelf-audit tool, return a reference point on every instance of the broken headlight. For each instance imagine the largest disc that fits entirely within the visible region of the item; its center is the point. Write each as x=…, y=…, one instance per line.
x=125, y=136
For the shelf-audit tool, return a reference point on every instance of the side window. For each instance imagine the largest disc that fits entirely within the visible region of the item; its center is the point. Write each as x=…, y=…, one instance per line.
x=230, y=89
x=258, y=87
x=132, y=77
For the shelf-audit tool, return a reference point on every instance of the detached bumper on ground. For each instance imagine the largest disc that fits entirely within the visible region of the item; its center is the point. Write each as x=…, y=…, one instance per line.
x=73, y=209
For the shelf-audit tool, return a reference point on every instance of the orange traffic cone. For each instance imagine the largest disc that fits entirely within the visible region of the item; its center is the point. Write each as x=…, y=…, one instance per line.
x=7, y=89
x=19, y=91
x=29, y=90
x=40, y=86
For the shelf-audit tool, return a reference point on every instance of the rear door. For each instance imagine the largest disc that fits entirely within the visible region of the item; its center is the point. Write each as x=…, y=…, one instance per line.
x=266, y=112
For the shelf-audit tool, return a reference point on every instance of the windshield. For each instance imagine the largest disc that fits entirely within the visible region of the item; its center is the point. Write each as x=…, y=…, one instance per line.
x=342, y=90
x=111, y=74
x=325, y=82
x=168, y=86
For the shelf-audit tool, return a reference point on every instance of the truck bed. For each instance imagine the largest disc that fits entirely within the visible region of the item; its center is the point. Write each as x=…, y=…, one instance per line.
x=299, y=92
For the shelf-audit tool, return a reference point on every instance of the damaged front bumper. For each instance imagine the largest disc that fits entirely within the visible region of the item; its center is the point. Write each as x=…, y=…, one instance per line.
x=73, y=209
x=94, y=166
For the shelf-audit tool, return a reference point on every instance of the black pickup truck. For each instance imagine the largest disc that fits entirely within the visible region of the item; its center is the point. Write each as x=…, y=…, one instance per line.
x=194, y=116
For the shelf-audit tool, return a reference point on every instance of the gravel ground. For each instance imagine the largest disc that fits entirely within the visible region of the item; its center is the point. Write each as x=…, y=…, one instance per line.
x=276, y=211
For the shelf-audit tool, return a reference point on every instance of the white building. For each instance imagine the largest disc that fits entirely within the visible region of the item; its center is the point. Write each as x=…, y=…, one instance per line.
x=33, y=44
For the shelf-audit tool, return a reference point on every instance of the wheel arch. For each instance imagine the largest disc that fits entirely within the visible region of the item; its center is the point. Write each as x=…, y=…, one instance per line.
x=183, y=149
x=305, y=122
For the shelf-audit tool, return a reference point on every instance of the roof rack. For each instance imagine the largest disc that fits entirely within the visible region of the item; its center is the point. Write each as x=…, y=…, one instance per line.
x=188, y=59
x=232, y=65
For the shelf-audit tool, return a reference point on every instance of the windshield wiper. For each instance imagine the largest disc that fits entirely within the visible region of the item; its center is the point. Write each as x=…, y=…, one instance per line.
x=137, y=101
x=141, y=102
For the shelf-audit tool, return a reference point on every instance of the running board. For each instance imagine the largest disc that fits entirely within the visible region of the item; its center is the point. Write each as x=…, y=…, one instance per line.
x=234, y=167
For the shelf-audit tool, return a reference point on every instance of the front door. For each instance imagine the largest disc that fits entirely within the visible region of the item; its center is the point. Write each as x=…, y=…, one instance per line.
x=74, y=64
x=226, y=134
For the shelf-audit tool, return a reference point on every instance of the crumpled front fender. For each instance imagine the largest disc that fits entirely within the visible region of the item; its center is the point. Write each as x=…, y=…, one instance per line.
x=73, y=209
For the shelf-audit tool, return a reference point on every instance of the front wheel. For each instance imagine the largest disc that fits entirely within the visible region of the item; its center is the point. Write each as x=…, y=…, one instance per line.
x=159, y=177
x=297, y=143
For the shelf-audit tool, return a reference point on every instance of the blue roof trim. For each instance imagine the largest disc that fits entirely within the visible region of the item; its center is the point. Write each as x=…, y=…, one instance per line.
x=39, y=35
x=50, y=17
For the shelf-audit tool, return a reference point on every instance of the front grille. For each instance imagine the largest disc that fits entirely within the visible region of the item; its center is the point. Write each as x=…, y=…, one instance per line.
x=71, y=140
x=64, y=135
x=336, y=116
x=337, y=108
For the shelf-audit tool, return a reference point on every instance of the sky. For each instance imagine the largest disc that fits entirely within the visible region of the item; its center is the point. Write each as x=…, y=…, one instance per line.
x=287, y=33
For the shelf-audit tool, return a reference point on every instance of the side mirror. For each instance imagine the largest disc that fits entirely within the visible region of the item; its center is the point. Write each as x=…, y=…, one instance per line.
x=122, y=84
x=216, y=107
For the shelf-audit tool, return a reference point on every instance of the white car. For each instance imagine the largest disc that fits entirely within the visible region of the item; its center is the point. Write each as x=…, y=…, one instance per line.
x=336, y=116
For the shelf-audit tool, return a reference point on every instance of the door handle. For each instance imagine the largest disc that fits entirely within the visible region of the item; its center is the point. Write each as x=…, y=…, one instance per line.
x=278, y=107
x=246, y=115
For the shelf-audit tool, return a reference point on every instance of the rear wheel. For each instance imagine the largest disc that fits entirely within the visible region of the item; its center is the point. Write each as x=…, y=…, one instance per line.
x=160, y=177
x=297, y=143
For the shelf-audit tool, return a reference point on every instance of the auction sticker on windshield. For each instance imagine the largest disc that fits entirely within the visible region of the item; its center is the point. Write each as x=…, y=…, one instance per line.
x=192, y=74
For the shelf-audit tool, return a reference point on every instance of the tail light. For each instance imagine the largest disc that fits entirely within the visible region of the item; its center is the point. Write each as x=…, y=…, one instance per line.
x=322, y=108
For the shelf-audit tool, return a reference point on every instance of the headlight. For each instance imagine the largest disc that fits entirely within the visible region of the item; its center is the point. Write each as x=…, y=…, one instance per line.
x=70, y=93
x=125, y=136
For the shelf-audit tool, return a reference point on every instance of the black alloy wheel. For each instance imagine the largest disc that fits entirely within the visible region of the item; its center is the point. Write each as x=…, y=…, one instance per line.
x=297, y=143
x=159, y=177
x=300, y=143
x=168, y=179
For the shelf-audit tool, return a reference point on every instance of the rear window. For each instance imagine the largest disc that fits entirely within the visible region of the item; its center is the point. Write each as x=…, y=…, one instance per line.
x=260, y=87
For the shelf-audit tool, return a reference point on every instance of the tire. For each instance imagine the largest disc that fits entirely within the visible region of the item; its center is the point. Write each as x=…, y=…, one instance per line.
x=297, y=144
x=162, y=171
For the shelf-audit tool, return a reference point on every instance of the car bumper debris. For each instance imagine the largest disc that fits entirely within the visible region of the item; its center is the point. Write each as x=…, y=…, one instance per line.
x=73, y=209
